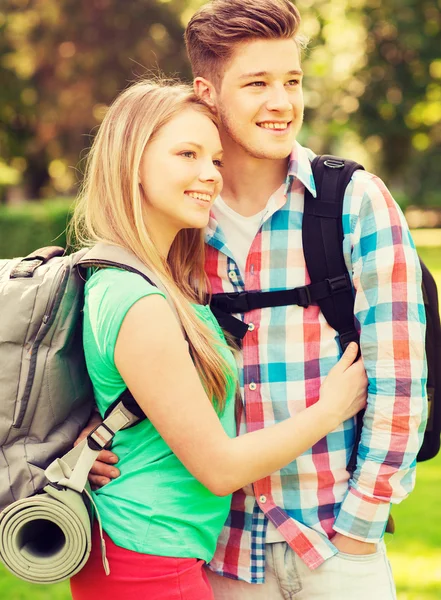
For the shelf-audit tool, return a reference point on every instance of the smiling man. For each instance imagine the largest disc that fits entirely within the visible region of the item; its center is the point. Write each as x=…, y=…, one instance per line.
x=311, y=530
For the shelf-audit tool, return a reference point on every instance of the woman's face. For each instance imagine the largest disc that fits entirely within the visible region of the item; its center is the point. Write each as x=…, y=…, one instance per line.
x=179, y=173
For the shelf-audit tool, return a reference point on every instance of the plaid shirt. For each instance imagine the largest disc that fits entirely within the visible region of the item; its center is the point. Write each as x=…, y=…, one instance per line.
x=288, y=352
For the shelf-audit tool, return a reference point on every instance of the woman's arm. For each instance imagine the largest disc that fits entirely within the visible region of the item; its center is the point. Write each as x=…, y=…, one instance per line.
x=153, y=359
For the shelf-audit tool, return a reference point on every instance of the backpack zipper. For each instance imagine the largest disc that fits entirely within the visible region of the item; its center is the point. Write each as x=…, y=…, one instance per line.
x=54, y=300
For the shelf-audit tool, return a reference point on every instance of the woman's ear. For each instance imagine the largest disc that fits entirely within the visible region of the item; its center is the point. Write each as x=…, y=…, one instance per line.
x=206, y=91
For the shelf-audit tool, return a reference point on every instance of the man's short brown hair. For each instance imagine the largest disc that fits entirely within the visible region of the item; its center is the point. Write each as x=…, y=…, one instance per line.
x=217, y=26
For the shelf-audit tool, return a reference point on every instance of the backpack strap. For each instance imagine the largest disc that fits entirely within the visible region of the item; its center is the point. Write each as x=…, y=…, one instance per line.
x=30, y=263
x=111, y=255
x=322, y=233
x=72, y=469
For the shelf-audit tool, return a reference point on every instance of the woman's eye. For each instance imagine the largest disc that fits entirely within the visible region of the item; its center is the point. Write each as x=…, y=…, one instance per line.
x=218, y=163
x=293, y=82
x=189, y=154
x=257, y=83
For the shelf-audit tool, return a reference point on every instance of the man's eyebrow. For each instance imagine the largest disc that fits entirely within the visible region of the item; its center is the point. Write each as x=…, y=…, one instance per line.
x=264, y=73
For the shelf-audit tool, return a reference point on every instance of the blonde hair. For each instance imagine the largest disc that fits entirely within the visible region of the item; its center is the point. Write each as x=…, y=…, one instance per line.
x=110, y=209
x=215, y=29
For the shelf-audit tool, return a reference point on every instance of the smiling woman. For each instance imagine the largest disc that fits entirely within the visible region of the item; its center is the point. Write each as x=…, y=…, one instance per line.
x=152, y=176
x=157, y=148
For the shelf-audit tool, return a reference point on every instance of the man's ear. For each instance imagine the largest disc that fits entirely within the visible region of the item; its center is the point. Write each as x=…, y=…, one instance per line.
x=206, y=91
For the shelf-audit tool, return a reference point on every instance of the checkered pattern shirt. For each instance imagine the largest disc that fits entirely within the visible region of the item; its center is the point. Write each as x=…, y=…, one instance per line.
x=288, y=352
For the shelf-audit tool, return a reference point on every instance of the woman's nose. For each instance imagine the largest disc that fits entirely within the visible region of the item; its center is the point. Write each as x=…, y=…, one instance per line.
x=210, y=172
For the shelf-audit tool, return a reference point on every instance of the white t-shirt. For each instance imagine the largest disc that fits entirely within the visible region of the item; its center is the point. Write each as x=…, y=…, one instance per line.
x=239, y=232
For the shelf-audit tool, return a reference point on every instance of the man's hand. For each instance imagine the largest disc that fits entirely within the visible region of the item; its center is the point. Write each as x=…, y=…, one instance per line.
x=102, y=471
x=348, y=545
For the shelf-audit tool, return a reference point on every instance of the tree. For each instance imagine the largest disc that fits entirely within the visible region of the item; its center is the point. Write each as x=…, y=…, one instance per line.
x=401, y=104
x=64, y=61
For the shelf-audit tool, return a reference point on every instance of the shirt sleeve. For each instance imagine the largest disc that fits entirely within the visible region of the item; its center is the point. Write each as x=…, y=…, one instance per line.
x=390, y=312
x=109, y=295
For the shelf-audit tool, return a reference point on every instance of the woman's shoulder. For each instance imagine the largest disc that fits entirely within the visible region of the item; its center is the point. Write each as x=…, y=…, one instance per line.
x=109, y=294
x=115, y=283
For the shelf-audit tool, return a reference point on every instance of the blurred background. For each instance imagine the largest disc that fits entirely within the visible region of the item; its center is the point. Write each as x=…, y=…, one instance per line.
x=372, y=93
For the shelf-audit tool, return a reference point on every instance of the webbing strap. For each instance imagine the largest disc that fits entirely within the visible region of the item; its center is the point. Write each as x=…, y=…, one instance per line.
x=29, y=264
x=72, y=469
x=322, y=233
x=241, y=302
x=235, y=327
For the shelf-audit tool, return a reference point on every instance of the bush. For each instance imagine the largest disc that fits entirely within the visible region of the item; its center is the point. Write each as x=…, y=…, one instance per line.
x=26, y=227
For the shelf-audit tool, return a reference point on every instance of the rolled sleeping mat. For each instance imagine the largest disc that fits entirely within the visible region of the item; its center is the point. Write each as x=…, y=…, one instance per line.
x=46, y=538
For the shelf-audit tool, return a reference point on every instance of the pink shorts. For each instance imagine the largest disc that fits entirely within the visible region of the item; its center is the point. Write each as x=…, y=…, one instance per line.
x=139, y=576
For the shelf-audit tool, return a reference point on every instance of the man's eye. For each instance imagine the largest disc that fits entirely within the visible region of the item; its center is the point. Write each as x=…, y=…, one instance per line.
x=293, y=82
x=189, y=154
x=257, y=83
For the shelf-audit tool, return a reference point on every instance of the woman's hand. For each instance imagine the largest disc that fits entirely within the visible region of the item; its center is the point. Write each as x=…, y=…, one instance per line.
x=343, y=393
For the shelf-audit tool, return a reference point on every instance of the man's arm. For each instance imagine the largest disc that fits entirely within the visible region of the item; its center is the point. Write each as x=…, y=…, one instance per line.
x=390, y=310
x=103, y=469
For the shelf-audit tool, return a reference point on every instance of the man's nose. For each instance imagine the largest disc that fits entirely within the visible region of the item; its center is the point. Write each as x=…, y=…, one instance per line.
x=279, y=99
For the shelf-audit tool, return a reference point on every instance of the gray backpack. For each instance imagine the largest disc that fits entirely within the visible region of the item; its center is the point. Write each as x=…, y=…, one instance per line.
x=46, y=393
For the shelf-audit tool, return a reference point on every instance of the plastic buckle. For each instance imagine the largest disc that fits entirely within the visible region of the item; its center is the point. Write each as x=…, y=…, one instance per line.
x=334, y=164
x=230, y=302
x=304, y=296
x=101, y=442
x=241, y=304
x=339, y=284
x=348, y=337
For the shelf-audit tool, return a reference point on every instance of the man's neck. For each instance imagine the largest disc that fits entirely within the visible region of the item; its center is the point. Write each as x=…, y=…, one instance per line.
x=249, y=182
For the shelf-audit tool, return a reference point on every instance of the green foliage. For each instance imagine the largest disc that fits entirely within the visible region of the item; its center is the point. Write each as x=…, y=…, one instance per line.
x=62, y=62
x=25, y=228
x=401, y=105
x=372, y=83
x=373, y=89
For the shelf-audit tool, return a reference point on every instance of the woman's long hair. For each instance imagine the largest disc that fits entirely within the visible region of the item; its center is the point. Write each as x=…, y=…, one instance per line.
x=110, y=209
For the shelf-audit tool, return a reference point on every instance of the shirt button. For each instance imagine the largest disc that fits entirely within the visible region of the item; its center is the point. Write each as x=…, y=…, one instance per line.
x=262, y=499
x=232, y=274
x=250, y=326
x=252, y=386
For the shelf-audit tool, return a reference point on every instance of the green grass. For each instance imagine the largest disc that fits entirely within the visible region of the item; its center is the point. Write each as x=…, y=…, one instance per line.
x=414, y=550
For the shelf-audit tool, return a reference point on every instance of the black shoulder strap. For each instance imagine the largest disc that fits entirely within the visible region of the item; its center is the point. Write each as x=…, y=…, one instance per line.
x=322, y=232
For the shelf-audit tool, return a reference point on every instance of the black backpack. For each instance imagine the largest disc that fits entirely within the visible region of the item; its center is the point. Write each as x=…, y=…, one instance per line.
x=331, y=288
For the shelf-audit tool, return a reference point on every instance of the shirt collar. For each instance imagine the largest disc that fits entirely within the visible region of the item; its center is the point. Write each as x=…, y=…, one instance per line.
x=299, y=167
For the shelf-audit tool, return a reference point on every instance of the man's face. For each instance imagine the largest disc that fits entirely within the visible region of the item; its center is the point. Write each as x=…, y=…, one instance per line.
x=260, y=100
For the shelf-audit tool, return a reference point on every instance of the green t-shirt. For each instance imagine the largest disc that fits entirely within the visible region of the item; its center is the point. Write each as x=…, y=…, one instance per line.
x=156, y=506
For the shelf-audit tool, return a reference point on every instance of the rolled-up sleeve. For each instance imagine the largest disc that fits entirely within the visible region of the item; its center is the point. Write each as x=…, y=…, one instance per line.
x=390, y=312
